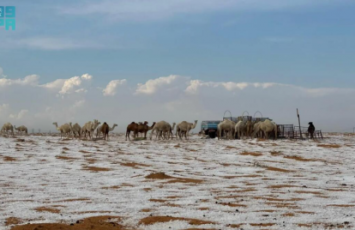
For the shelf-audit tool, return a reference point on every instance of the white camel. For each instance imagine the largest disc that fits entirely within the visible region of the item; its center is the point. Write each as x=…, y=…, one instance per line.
x=227, y=127
x=241, y=129
x=268, y=126
x=89, y=128
x=98, y=130
x=7, y=127
x=183, y=128
x=22, y=129
x=76, y=130
x=256, y=130
x=163, y=130
x=63, y=129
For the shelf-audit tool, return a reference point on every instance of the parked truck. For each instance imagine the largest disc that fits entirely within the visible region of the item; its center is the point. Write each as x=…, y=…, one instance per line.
x=209, y=128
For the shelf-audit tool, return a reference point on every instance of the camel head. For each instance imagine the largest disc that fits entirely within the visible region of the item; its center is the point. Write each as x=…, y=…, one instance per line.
x=152, y=126
x=114, y=125
x=194, y=126
x=55, y=123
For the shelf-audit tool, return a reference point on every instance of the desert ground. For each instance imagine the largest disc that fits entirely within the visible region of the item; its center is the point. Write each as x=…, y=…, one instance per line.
x=49, y=183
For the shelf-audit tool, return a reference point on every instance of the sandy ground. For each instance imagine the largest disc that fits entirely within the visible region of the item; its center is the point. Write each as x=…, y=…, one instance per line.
x=194, y=184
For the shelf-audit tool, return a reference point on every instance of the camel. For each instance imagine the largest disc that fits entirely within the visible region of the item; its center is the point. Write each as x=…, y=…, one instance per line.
x=90, y=127
x=133, y=127
x=184, y=127
x=104, y=128
x=63, y=129
x=256, y=130
x=7, y=127
x=163, y=129
x=167, y=134
x=311, y=129
x=267, y=126
x=144, y=128
x=249, y=128
x=22, y=129
x=98, y=130
x=241, y=128
x=76, y=130
x=226, y=126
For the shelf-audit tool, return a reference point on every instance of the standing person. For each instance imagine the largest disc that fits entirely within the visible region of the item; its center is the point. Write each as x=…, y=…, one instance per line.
x=311, y=129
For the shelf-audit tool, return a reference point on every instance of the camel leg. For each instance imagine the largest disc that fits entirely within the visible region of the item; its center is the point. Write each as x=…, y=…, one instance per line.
x=151, y=134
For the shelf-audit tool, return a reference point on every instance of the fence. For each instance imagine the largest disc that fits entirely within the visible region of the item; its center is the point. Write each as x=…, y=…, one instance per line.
x=285, y=131
x=304, y=130
x=293, y=132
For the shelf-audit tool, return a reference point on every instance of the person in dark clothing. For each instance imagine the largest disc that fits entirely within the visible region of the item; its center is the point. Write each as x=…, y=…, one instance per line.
x=311, y=129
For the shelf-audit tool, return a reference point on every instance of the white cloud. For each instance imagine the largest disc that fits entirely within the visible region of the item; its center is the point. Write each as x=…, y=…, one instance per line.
x=232, y=85
x=111, y=87
x=70, y=85
x=171, y=98
x=28, y=80
x=151, y=86
x=20, y=115
x=86, y=76
x=195, y=85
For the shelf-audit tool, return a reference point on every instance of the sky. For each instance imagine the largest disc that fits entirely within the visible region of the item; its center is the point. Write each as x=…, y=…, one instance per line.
x=132, y=60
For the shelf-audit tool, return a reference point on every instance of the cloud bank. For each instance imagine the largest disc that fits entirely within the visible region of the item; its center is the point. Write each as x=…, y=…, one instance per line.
x=174, y=98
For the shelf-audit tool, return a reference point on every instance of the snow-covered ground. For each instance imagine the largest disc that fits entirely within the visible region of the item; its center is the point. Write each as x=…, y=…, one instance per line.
x=224, y=184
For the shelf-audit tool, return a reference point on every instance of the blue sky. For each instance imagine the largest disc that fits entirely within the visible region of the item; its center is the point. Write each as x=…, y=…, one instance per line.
x=305, y=44
x=308, y=44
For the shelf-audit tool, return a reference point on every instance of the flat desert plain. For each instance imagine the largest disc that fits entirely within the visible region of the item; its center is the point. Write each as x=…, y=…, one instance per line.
x=49, y=183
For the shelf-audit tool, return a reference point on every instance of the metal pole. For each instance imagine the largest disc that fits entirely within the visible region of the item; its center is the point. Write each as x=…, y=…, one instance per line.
x=299, y=124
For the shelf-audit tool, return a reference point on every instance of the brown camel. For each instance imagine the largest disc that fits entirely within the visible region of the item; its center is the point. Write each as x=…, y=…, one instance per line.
x=104, y=129
x=143, y=128
x=133, y=127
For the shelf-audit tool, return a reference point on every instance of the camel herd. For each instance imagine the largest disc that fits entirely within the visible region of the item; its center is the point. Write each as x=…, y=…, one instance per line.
x=8, y=128
x=162, y=129
x=88, y=129
x=229, y=129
